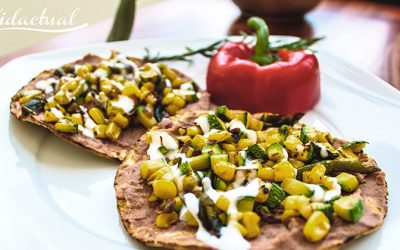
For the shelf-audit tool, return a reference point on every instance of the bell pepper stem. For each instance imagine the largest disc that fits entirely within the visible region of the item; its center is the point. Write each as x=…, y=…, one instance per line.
x=261, y=55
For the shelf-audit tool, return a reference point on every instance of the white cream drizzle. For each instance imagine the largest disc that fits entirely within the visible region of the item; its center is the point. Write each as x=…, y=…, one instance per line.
x=251, y=134
x=230, y=236
x=89, y=124
x=178, y=178
x=202, y=121
x=337, y=190
x=285, y=155
x=320, y=195
x=155, y=68
x=187, y=86
x=300, y=148
x=324, y=151
x=100, y=73
x=159, y=139
x=120, y=61
x=46, y=85
x=57, y=113
x=125, y=103
x=185, y=89
x=240, y=177
x=249, y=163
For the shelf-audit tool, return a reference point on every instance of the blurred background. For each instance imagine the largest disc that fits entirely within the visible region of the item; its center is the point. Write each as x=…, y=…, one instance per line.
x=90, y=11
x=366, y=33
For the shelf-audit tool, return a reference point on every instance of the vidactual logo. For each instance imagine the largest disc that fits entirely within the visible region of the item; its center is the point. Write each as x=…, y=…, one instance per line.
x=43, y=22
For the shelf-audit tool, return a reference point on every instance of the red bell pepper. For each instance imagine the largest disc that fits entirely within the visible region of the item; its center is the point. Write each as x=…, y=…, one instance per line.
x=258, y=79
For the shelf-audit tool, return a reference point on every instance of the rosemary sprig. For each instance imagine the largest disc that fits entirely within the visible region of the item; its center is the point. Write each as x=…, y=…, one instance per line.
x=210, y=50
x=207, y=51
x=303, y=43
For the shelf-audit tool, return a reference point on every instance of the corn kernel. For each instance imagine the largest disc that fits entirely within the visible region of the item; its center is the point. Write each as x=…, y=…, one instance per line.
x=244, y=143
x=49, y=117
x=164, y=189
x=165, y=220
x=176, y=83
x=170, y=74
x=121, y=120
x=113, y=131
x=189, y=183
x=288, y=213
x=225, y=170
x=189, y=219
x=316, y=227
x=222, y=203
x=266, y=174
x=178, y=101
x=220, y=136
x=167, y=90
x=131, y=89
x=172, y=109
x=77, y=118
x=62, y=97
x=100, y=131
x=256, y=125
x=151, y=99
x=149, y=85
x=251, y=222
x=283, y=170
x=143, y=93
x=168, y=99
x=97, y=115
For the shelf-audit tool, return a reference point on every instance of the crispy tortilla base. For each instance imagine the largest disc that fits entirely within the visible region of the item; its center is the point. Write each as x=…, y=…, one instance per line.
x=105, y=148
x=138, y=215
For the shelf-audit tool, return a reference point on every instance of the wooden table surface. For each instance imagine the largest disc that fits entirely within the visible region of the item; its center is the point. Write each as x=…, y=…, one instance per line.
x=364, y=33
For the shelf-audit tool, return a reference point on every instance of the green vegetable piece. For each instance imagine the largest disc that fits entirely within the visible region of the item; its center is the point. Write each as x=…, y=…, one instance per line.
x=215, y=122
x=199, y=141
x=349, y=208
x=284, y=130
x=149, y=75
x=214, y=159
x=347, y=181
x=276, y=152
x=327, y=209
x=200, y=162
x=295, y=163
x=185, y=168
x=33, y=107
x=355, y=146
x=334, y=198
x=276, y=196
x=163, y=150
x=202, y=174
x=307, y=133
x=245, y=119
x=67, y=126
x=224, y=113
x=212, y=149
x=151, y=166
x=257, y=151
x=160, y=113
x=342, y=165
x=218, y=183
x=322, y=152
x=246, y=204
x=295, y=187
x=241, y=157
x=208, y=214
x=272, y=120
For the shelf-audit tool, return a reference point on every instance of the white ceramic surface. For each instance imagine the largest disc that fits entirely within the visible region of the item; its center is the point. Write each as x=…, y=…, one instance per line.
x=56, y=196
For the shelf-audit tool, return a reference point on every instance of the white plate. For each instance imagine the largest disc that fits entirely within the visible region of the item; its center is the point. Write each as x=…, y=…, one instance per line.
x=56, y=196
